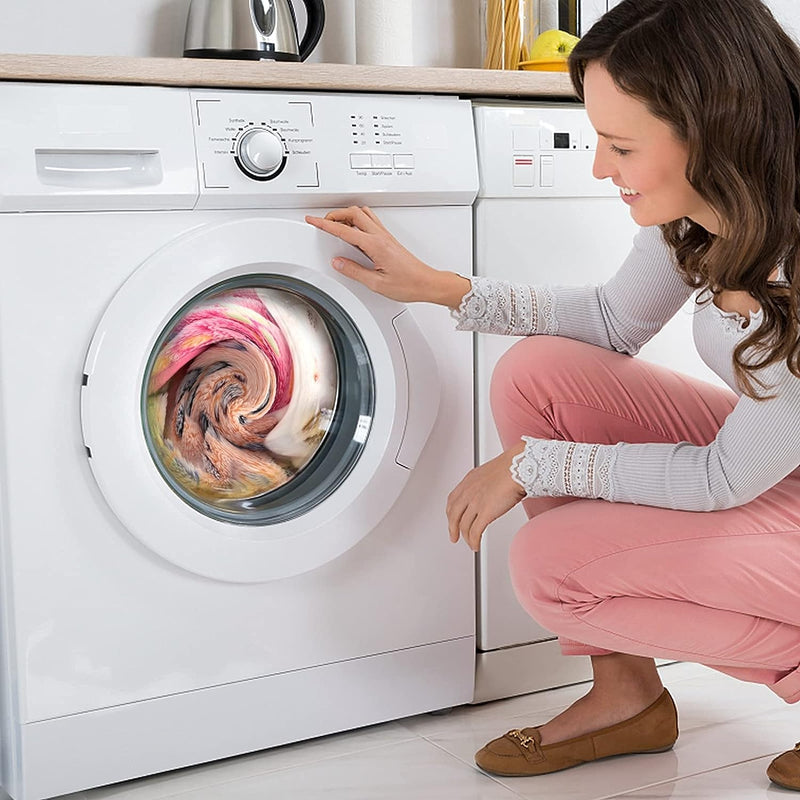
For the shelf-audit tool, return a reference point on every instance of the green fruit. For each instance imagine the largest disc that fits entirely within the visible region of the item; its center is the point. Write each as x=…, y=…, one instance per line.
x=553, y=45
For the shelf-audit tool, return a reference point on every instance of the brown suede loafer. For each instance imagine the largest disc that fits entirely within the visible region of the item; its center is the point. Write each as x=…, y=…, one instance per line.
x=785, y=769
x=520, y=752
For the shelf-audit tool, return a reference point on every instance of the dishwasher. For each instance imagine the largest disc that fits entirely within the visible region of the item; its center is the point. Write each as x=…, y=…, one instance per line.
x=541, y=218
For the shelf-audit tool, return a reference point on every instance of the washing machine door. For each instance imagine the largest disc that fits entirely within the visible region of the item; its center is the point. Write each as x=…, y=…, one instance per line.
x=248, y=413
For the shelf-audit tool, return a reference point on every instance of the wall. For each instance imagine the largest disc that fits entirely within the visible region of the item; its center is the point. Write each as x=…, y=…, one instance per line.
x=786, y=12
x=446, y=32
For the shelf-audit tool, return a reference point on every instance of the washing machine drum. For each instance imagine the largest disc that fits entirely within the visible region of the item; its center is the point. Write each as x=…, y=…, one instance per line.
x=248, y=414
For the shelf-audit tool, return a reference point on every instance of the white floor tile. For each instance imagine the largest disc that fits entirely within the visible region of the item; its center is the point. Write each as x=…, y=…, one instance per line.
x=746, y=781
x=722, y=722
x=412, y=769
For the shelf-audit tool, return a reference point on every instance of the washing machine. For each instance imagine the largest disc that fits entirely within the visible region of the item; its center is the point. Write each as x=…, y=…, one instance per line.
x=542, y=218
x=224, y=466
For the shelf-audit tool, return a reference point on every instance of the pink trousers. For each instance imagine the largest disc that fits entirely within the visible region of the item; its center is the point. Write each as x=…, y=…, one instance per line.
x=719, y=588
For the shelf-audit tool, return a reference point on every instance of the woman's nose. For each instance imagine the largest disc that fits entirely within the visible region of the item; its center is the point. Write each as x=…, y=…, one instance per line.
x=602, y=167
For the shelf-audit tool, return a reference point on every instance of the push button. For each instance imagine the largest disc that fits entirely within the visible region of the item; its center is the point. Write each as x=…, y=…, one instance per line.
x=382, y=161
x=547, y=173
x=523, y=171
x=360, y=160
x=404, y=161
x=524, y=137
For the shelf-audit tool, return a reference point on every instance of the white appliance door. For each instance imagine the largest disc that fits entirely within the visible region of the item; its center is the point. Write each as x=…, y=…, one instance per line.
x=547, y=241
x=248, y=415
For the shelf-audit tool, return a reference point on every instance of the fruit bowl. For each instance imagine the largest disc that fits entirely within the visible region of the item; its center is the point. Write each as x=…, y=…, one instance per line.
x=546, y=64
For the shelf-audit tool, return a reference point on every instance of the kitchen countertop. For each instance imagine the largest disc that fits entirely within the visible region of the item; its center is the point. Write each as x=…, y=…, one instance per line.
x=275, y=75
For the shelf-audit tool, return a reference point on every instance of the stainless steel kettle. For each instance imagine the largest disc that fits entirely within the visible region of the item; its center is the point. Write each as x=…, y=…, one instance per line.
x=251, y=29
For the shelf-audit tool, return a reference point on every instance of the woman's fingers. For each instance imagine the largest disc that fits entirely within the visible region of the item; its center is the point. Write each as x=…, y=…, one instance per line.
x=474, y=534
x=454, y=510
x=469, y=529
x=461, y=525
x=484, y=494
x=347, y=233
x=397, y=273
x=361, y=218
x=354, y=270
x=373, y=217
x=461, y=515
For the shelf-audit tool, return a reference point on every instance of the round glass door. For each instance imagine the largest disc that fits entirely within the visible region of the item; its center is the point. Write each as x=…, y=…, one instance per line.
x=257, y=399
x=243, y=407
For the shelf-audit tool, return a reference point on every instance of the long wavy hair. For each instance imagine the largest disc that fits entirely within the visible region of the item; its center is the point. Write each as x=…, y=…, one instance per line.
x=726, y=77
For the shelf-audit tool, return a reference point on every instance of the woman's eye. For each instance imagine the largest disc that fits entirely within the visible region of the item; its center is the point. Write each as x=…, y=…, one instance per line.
x=619, y=151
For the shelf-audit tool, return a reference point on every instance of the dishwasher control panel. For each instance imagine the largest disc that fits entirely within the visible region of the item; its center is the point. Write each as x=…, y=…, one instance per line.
x=537, y=150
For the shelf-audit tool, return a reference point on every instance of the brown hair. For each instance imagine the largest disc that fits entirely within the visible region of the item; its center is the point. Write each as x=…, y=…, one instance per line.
x=726, y=77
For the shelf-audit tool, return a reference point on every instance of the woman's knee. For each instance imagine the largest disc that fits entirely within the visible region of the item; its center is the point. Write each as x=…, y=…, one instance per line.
x=546, y=555
x=518, y=391
x=527, y=360
x=534, y=371
x=541, y=556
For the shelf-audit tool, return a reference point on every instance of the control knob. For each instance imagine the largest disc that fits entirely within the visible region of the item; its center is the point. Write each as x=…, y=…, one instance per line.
x=260, y=154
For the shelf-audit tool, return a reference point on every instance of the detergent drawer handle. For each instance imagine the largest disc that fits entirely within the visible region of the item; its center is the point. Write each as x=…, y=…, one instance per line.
x=99, y=169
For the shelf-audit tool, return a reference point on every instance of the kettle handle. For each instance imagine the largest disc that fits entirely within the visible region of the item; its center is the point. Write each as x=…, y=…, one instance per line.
x=315, y=10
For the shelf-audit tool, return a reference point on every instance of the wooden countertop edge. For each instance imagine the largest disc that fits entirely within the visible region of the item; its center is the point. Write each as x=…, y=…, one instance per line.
x=274, y=75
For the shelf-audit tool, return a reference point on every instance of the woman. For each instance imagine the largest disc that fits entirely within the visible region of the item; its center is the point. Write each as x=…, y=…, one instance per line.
x=617, y=461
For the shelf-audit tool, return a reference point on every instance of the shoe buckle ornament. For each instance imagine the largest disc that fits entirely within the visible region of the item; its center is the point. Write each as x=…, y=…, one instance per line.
x=525, y=741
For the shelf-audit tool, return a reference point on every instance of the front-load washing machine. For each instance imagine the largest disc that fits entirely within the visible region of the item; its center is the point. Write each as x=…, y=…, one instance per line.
x=223, y=466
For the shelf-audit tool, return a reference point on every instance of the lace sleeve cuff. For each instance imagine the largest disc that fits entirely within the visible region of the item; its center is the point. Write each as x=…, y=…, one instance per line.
x=494, y=306
x=548, y=468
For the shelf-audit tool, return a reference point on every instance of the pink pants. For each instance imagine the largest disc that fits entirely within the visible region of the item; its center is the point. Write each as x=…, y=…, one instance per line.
x=719, y=588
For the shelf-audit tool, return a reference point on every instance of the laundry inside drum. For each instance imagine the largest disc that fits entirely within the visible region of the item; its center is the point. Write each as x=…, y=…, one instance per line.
x=241, y=393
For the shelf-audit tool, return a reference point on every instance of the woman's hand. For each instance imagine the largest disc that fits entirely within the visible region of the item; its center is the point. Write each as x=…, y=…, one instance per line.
x=486, y=493
x=397, y=273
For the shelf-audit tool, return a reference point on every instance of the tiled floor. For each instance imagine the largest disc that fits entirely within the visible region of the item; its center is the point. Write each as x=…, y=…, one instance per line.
x=729, y=733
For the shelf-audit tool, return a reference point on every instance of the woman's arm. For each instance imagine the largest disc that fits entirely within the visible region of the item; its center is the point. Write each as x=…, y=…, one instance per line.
x=622, y=314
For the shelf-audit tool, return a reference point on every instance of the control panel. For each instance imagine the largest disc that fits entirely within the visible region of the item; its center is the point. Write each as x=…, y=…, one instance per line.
x=259, y=149
x=537, y=151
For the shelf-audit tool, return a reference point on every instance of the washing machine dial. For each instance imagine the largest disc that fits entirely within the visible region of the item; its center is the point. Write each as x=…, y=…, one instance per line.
x=260, y=153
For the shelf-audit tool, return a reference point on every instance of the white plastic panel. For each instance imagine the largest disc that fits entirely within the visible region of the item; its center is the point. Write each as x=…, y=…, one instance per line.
x=82, y=751
x=548, y=254
x=557, y=139
x=98, y=619
x=424, y=389
x=388, y=150
x=77, y=147
x=534, y=241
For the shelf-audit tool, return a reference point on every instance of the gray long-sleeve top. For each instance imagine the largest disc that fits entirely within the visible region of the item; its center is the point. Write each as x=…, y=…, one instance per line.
x=756, y=447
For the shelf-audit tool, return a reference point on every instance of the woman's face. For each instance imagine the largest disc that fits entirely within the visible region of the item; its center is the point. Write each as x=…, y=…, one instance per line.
x=642, y=156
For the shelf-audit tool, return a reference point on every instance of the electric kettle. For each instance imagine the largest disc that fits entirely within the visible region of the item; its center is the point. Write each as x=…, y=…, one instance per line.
x=251, y=29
